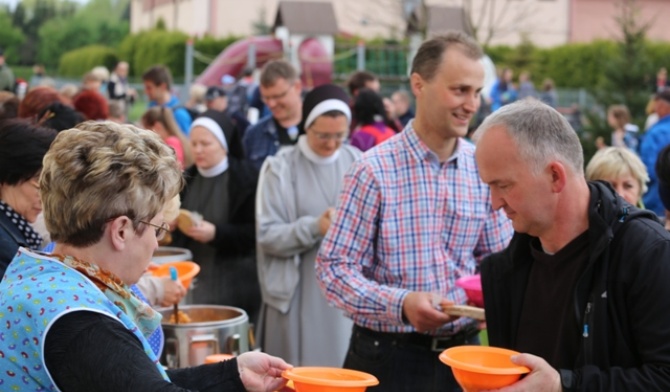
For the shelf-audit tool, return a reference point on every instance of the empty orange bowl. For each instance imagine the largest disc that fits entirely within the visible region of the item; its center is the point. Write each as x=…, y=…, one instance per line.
x=473, y=289
x=326, y=379
x=186, y=270
x=480, y=368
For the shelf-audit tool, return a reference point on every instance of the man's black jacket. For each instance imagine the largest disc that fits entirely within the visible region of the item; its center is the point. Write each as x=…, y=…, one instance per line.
x=625, y=287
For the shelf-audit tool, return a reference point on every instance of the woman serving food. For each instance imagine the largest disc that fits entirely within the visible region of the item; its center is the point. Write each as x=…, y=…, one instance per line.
x=68, y=321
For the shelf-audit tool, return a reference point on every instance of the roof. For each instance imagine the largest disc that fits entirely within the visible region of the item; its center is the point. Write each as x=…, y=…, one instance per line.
x=438, y=19
x=306, y=17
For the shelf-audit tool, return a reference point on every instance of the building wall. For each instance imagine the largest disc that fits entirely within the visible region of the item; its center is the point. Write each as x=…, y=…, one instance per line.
x=544, y=22
x=366, y=18
x=593, y=19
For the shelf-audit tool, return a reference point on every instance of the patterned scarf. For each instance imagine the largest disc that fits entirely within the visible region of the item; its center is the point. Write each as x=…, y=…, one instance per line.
x=33, y=240
x=146, y=319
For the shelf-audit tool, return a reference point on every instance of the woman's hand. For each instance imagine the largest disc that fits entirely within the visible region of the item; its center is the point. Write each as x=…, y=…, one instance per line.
x=203, y=232
x=325, y=220
x=173, y=291
x=261, y=372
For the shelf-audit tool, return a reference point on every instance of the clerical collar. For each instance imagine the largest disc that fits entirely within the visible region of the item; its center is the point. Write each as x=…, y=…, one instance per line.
x=314, y=157
x=215, y=170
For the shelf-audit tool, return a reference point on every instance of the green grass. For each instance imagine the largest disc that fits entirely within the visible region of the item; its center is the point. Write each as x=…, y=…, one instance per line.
x=23, y=72
x=484, y=337
x=137, y=109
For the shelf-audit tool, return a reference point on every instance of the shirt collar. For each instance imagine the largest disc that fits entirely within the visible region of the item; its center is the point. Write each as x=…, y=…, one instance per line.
x=421, y=152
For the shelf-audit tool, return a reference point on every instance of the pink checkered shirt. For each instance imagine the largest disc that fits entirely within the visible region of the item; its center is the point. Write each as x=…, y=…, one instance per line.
x=407, y=223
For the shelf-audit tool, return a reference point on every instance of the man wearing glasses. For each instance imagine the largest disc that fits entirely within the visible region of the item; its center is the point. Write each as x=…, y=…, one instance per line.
x=280, y=90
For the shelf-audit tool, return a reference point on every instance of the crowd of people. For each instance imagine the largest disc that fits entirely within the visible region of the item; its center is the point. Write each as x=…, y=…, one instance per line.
x=339, y=220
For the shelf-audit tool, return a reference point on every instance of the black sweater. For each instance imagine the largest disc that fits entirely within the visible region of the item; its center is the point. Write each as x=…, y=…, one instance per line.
x=87, y=351
x=621, y=300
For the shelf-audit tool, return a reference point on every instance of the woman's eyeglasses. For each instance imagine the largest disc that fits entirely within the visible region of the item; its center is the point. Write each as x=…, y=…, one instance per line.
x=161, y=230
x=324, y=137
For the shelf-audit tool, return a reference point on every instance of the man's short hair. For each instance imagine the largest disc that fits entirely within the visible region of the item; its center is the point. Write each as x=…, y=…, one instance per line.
x=158, y=74
x=540, y=133
x=117, y=109
x=278, y=69
x=429, y=56
x=214, y=92
x=358, y=80
x=404, y=95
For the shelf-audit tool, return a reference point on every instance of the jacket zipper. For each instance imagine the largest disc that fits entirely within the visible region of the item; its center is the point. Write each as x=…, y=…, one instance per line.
x=586, y=334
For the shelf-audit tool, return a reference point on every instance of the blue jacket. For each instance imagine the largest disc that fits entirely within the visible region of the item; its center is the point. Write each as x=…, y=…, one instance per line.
x=260, y=141
x=653, y=142
x=180, y=114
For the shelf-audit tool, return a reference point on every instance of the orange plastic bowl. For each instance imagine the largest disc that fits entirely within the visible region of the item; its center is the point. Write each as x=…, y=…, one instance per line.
x=480, y=368
x=186, y=270
x=216, y=358
x=473, y=289
x=326, y=379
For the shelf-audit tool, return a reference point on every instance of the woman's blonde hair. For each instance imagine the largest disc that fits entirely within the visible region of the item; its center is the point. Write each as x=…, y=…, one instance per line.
x=165, y=116
x=102, y=170
x=614, y=162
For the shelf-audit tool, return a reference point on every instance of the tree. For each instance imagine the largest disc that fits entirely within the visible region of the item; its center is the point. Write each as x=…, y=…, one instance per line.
x=625, y=75
x=260, y=26
x=61, y=35
x=489, y=19
x=30, y=15
x=10, y=37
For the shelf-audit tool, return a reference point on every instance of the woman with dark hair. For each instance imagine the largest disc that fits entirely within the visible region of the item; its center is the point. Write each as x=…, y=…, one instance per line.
x=60, y=117
x=9, y=105
x=221, y=187
x=370, y=116
x=22, y=147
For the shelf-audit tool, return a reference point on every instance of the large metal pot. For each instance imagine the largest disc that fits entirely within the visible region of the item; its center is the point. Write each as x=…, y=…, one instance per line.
x=167, y=254
x=213, y=329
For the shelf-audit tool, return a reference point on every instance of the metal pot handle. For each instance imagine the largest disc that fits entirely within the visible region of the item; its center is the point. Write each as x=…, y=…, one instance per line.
x=171, y=352
x=197, y=356
x=233, y=344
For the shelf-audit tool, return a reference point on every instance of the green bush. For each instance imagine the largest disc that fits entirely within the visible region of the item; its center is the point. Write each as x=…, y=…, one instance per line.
x=148, y=48
x=572, y=65
x=77, y=62
x=499, y=54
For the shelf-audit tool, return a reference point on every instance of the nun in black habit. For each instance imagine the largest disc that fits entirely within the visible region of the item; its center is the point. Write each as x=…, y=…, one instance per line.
x=221, y=187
